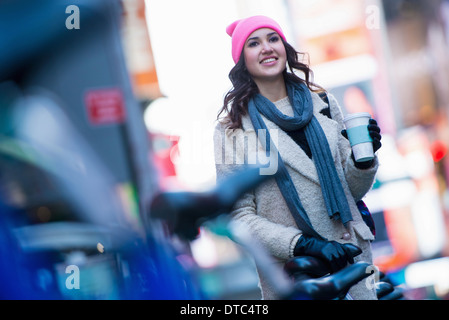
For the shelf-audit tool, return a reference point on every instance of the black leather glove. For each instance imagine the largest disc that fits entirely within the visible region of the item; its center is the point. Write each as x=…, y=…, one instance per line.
x=335, y=254
x=374, y=132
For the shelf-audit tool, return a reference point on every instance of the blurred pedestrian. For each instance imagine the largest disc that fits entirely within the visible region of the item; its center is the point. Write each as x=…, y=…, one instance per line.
x=310, y=207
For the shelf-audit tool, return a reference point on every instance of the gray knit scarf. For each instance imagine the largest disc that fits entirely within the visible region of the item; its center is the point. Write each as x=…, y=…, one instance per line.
x=334, y=197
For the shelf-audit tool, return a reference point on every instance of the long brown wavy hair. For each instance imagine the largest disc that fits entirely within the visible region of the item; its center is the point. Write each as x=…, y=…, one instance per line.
x=244, y=88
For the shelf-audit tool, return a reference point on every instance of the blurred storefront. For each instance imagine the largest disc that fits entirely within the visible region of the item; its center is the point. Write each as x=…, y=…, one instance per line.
x=417, y=34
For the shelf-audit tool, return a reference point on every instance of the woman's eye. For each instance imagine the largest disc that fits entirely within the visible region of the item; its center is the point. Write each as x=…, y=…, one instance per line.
x=274, y=39
x=252, y=44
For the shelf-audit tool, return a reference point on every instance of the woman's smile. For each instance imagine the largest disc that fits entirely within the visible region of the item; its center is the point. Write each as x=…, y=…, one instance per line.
x=269, y=61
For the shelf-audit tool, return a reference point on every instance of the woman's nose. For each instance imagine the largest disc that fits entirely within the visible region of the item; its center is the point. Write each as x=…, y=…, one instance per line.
x=266, y=47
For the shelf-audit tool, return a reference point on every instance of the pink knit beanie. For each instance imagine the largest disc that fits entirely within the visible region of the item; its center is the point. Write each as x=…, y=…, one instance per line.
x=241, y=29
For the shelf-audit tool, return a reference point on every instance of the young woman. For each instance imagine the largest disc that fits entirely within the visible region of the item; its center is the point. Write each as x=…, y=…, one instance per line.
x=309, y=207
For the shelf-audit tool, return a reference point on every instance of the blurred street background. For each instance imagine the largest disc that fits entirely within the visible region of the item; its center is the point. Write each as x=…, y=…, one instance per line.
x=103, y=104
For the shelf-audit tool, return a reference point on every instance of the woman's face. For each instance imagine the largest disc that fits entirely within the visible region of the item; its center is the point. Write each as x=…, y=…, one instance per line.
x=265, y=55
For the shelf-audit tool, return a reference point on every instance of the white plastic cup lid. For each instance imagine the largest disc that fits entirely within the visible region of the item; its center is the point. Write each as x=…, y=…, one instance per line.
x=351, y=116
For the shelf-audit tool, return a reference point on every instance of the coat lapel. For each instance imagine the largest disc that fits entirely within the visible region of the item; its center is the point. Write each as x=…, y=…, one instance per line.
x=292, y=154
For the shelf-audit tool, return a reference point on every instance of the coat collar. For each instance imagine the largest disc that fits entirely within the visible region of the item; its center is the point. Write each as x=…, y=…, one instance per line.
x=288, y=148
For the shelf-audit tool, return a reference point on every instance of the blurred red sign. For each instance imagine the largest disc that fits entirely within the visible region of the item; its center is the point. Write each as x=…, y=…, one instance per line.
x=105, y=106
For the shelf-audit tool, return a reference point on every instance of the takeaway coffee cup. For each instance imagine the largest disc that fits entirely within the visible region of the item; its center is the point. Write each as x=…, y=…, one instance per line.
x=361, y=142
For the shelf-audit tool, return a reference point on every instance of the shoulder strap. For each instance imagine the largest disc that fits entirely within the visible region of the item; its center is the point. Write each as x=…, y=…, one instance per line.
x=323, y=96
x=327, y=111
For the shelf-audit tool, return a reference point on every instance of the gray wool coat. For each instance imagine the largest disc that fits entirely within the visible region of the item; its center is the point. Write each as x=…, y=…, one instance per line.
x=264, y=211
